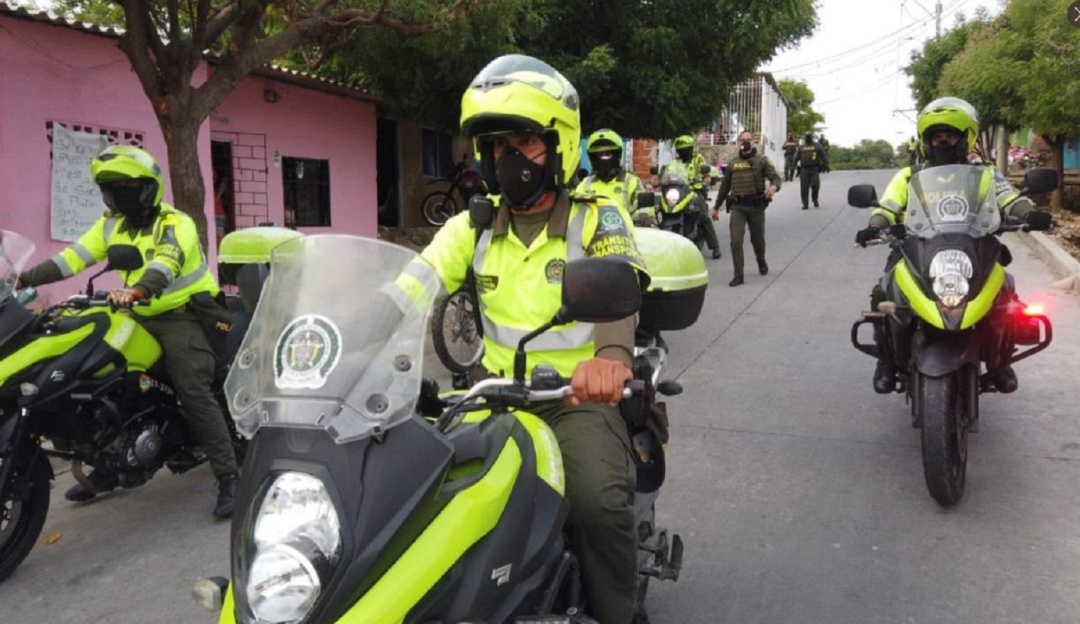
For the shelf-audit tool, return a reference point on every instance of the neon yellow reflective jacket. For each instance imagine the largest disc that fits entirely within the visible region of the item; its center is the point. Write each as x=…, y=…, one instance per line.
x=622, y=188
x=170, y=245
x=520, y=287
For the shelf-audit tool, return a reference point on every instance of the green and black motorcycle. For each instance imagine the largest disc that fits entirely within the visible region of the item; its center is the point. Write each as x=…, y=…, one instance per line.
x=367, y=496
x=951, y=318
x=81, y=382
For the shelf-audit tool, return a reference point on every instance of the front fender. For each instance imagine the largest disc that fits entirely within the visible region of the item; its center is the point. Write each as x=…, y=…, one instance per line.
x=24, y=450
x=947, y=354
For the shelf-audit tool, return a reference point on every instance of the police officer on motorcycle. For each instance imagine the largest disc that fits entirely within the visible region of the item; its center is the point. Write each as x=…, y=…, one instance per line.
x=686, y=151
x=948, y=128
x=523, y=117
x=605, y=151
x=175, y=276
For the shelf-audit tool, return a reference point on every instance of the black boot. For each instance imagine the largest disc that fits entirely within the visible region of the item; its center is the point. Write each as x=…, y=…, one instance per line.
x=226, y=497
x=1005, y=381
x=884, y=377
x=716, y=253
x=763, y=267
x=736, y=281
x=102, y=482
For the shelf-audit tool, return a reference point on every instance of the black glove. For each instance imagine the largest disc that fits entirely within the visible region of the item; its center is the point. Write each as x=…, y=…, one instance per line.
x=865, y=236
x=1038, y=221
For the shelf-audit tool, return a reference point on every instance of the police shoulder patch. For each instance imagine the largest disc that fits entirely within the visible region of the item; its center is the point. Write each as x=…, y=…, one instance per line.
x=554, y=269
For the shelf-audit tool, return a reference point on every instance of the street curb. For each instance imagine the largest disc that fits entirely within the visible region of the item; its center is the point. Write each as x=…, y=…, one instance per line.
x=1057, y=257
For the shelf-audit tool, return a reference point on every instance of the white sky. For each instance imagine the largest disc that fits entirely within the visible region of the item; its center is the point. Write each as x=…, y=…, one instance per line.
x=854, y=60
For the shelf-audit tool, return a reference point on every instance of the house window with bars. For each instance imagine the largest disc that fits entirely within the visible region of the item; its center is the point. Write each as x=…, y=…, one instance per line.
x=307, y=192
x=438, y=155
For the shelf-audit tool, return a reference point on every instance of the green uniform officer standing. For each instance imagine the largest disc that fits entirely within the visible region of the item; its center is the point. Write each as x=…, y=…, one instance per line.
x=524, y=120
x=791, y=153
x=812, y=161
x=748, y=195
x=176, y=271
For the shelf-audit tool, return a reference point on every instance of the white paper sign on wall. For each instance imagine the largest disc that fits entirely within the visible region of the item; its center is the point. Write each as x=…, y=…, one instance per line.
x=75, y=201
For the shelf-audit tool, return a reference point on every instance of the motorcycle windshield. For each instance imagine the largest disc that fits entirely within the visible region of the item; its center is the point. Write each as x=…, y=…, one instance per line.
x=15, y=252
x=954, y=199
x=337, y=339
x=675, y=174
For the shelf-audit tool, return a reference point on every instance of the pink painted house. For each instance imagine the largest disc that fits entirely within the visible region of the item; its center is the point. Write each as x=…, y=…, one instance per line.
x=284, y=147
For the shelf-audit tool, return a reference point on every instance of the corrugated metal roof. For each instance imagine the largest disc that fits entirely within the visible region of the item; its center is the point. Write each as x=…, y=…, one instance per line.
x=272, y=70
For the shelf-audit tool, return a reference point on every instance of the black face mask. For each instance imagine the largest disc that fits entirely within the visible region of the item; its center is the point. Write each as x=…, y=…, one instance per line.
x=747, y=149
x=521, y=181
x=605, y=165
x=129, y=202
x=945, y=154
x=685, y=154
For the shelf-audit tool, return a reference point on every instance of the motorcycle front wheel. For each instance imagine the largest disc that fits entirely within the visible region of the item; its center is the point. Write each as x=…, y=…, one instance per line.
x=454, y=334
x=438, y=207
x=23, y=512
x=944, y=437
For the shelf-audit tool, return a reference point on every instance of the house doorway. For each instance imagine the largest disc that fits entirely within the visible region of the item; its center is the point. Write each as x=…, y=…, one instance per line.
x=386, y=172
x=224, y=206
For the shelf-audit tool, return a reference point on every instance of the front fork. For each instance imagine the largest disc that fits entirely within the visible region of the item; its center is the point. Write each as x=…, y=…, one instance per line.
x=12, y=436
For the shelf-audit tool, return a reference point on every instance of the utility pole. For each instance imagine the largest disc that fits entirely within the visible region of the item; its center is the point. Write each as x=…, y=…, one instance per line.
x=937, y=18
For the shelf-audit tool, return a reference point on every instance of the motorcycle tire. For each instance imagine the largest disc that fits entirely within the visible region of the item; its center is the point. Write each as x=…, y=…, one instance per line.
x=21, y=521
x=944, y=437
x=438, y=207
x=454, y=334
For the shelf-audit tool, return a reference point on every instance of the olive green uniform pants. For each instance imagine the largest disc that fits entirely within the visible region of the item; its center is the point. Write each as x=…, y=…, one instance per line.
x=189, y=360
x=809, y=180
x=741, y=216
x=600, y=482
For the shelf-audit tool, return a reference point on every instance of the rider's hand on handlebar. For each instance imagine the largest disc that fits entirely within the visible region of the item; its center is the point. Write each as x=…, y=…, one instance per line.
x=1038, y=221
x=599, y=381
x=866, y=235
x=125, y=298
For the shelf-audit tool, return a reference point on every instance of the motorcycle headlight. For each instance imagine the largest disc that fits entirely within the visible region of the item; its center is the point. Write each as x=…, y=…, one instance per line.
x=951, y=269
x=297, y=538
x=672, y=195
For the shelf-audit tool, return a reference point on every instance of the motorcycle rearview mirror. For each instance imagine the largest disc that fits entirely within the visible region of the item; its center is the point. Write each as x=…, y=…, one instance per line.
x=654, y=170
x=646, y=199
x=1039, y=180
x=862, y=196
x=594, y=290
x=705, y=170
x=124, y=257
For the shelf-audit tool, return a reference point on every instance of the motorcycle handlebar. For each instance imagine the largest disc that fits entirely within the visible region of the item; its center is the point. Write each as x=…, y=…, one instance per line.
x=507, y=390
x=86, y=301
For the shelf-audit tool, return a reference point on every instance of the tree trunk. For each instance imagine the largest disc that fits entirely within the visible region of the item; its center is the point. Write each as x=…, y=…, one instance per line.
x=1002, y=148
x=185, y=175
x=1057, y=163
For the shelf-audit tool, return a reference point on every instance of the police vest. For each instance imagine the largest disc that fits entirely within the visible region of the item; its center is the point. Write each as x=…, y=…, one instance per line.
x=520, y=288
x=808, y=156
x=622, y=188
x=745, y=177
x=171, y=246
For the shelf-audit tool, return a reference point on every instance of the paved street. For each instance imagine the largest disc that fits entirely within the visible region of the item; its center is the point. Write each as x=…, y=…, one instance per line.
x=798, y=491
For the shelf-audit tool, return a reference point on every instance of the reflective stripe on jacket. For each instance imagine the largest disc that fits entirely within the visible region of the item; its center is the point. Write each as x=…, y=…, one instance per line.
x=170, y=246
x=520, y=288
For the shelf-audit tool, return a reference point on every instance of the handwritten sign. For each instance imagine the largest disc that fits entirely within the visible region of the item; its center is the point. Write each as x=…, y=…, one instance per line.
x=76, y=201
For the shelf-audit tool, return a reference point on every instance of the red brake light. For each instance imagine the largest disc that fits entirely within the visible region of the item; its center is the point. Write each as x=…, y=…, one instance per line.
x=1035, y=309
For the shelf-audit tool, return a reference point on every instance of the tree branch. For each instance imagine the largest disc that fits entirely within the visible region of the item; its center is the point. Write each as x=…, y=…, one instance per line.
x=215, y=27
x=173, y=8
x=134, y=43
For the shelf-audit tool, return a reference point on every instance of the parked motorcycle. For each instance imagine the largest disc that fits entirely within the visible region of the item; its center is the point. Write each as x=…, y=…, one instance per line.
x=81, y=382
x=367, y=496
x=438, y=206
x=950, y=309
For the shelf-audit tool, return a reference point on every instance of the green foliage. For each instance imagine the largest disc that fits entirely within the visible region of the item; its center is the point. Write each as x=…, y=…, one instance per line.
x=802, y=117
x=928, y=64
x=1051, y=80
x=989, y=72
x=672, y=63
x=867, y=154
